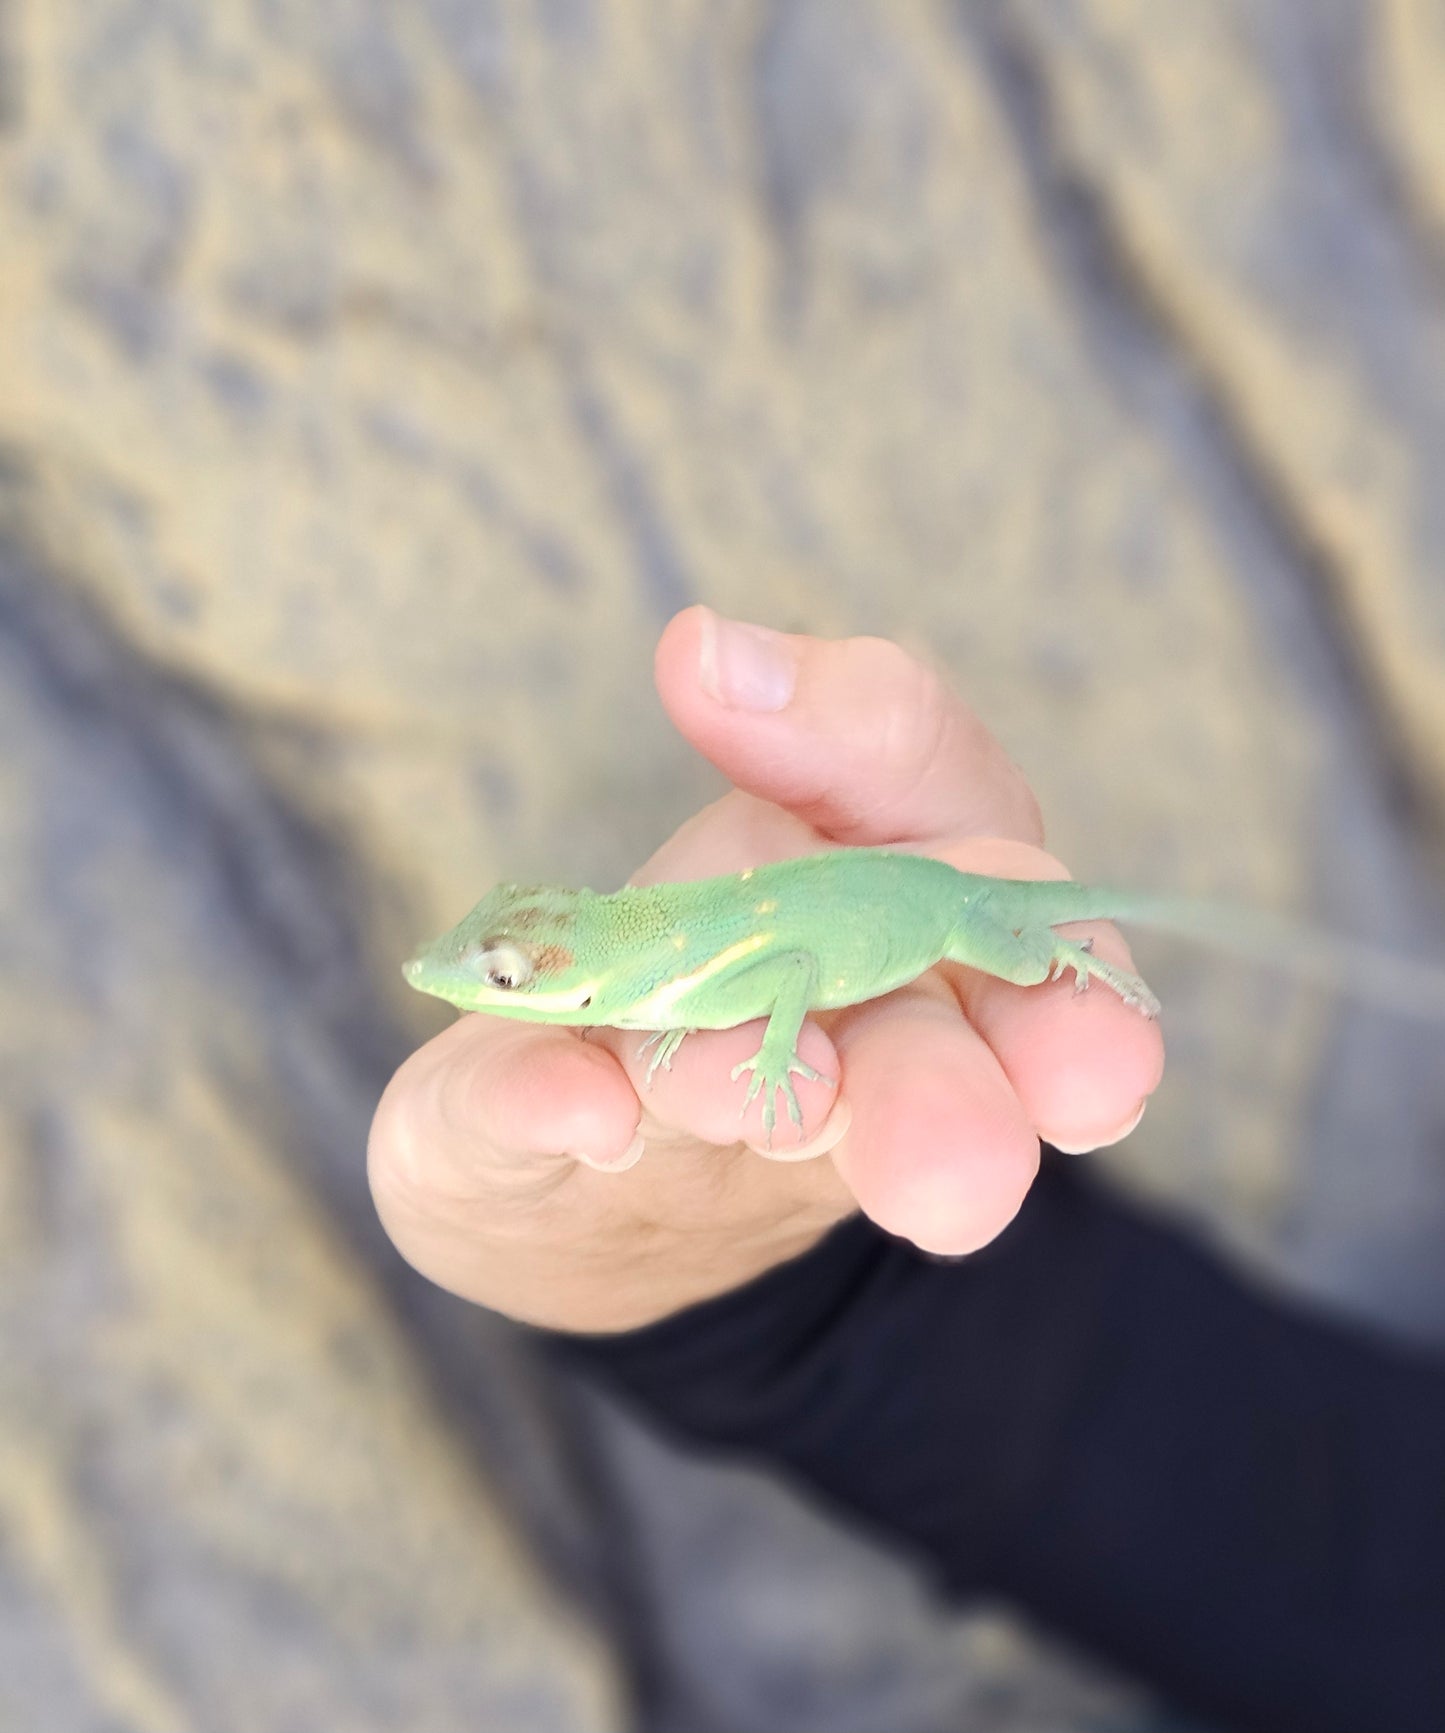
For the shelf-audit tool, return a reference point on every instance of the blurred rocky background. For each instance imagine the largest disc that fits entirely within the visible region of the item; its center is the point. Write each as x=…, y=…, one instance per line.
x=375, y=380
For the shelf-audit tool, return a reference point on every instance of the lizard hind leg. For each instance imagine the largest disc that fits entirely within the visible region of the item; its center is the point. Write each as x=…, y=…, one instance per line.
x=1031, y=955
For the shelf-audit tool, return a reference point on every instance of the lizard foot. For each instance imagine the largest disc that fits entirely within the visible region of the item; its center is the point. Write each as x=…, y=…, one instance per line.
x=666, y=1042
x=772, y=1072
x=1078, y=955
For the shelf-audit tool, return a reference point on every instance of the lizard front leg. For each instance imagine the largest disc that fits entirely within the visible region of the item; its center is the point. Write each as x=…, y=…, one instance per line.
x=789, y=980
x=665, y=1043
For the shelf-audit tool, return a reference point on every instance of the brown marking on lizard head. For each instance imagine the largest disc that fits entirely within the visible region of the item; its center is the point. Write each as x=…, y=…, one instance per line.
x=524, y=919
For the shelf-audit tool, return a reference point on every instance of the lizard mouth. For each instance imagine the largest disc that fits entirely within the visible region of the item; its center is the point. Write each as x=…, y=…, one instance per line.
x=458, y=987
x=561, y=1000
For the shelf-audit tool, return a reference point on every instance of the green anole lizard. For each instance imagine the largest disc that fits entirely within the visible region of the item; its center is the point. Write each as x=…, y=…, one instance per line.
x=822, y=931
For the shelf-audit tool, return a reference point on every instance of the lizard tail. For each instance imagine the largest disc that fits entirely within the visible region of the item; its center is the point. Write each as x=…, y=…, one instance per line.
x=1364, y=971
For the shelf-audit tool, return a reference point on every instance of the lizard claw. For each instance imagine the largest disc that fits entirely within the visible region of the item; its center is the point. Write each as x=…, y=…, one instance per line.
x=666, y=1043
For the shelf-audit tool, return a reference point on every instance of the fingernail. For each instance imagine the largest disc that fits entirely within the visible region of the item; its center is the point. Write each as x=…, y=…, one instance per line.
x=744, y=666
x=835, y=1129
x=613, y=1164
x=1103, y=1142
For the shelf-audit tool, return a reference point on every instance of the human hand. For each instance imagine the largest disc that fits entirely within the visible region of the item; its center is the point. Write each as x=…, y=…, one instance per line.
x=521, y=1165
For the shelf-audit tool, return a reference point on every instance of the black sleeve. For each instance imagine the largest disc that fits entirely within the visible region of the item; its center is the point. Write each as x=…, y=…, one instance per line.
x=1098, y=1421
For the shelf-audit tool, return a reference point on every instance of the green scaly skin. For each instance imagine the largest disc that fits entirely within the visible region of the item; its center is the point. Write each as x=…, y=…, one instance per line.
x=829, y=929
x=775, y=941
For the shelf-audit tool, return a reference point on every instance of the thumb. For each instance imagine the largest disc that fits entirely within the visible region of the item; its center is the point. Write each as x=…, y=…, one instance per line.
x=855, y=736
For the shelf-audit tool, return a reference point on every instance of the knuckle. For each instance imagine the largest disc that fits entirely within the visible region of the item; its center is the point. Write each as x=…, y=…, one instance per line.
x=917, y=726
x=910, y=713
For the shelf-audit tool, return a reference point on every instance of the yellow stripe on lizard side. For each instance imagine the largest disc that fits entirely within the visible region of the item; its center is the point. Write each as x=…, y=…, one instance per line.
x=660, y=1002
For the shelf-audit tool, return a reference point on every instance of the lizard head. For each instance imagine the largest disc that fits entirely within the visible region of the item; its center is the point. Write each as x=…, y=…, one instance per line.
x=516, y=954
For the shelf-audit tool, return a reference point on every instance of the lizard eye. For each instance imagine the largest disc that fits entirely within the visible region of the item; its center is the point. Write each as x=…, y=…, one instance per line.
x=502, y=964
